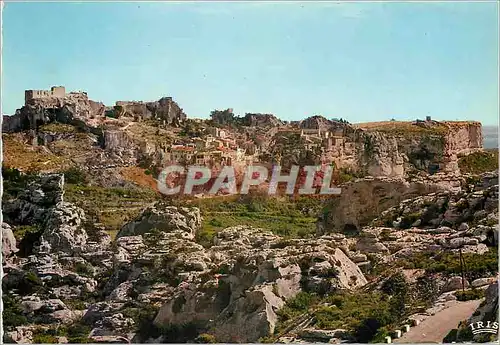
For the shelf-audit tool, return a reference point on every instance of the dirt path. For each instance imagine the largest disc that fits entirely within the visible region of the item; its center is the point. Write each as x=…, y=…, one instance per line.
x=436, y=327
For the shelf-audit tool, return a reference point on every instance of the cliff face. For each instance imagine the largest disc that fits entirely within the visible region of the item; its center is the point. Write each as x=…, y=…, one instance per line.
x=261, y=120
x=430, y=147
x=391, y=149
x=165, y=109
x=363, y=200
x=74, y=108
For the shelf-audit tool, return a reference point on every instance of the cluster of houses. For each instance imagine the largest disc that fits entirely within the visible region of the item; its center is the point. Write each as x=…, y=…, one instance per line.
x=220, y=146
x=216, y=148
x=325, y=140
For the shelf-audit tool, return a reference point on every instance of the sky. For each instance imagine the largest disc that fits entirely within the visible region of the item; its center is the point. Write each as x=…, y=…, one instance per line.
x=358, y=61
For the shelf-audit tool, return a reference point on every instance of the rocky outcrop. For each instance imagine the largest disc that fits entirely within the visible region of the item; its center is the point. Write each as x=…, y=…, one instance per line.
x=261, y=120
x=116, y=140
x=63, y=230
x=316, y=122
x=455, y=283
x=165, y=109
x=381, y=155
x=445, y=209
x=363, y=200
x=32, y=204
x=8, y=242
x=396, y=152
x=74, y=108
x=164, y=218
x=463, y=138
x=259, y=272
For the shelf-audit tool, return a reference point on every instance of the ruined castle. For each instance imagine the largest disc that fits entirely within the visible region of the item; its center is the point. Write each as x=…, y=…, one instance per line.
x=54, y=92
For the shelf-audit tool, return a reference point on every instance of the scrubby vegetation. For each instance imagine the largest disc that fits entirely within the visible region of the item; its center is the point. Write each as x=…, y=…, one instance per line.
x=12, y=313
x=366, y=315
x=285, y=217
x=468, y=295
x=479, y=162
x=476, y=265
x=14, y=181
x=403, y=128
x=75, y=175
x=17, y=154
x=56, y=127
x=102, y=204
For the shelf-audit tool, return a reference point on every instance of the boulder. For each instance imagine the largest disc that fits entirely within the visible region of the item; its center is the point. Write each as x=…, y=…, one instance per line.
x=166, y=219
x=482, y=282
x=8, y=242
x=454, y=283
x=249, y=317
x=63, y=230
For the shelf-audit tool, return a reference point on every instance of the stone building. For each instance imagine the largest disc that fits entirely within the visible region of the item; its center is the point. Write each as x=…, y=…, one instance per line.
x=54, y=92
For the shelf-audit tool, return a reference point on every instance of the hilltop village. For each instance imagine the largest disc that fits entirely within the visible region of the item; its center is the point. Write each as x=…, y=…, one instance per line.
x=92, y=252
x=162, y=133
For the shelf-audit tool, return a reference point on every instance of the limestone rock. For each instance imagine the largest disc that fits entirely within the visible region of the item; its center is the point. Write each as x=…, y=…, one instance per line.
x=482, y=282
x=321, y=335
x=164, y=218
x=454, y=283
x=63, y=230
x=8, y=241
x=249, y=317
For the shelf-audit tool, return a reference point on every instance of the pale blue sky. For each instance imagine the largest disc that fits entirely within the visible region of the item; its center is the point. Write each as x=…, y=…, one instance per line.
x=359, y=61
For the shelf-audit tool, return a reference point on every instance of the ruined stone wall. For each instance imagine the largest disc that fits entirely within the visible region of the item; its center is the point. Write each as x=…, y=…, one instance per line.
x=54, y=92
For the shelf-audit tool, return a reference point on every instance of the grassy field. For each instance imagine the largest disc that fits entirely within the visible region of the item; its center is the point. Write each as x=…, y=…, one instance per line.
x=283, y=216
x=112, y=207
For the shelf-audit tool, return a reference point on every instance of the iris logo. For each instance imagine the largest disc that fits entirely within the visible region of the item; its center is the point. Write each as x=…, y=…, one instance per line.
x=484, y=327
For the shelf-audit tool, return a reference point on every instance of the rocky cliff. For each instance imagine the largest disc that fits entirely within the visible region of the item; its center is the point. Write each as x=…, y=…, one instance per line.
x=165, y=110
x=75, y=109
x=364, y=199
x=394, y=149
x=390, y=149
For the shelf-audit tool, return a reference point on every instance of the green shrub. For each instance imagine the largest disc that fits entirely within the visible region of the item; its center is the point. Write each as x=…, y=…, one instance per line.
x=75, y=175
x=205, y=338
x=14, y=181
x=21, y=231
x=32, y=278
x=477, y=265
x=297, y=305
x=479, y=162
x=395, y=285
x=12, y=312
x=409, y=219
x=78, y=333
x=85, y=270
x=76, y=304
x=451, y=337
x=468, y=295
x=41, y=338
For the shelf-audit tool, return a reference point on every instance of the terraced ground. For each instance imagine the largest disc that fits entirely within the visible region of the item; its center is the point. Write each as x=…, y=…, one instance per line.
x=112, y=207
